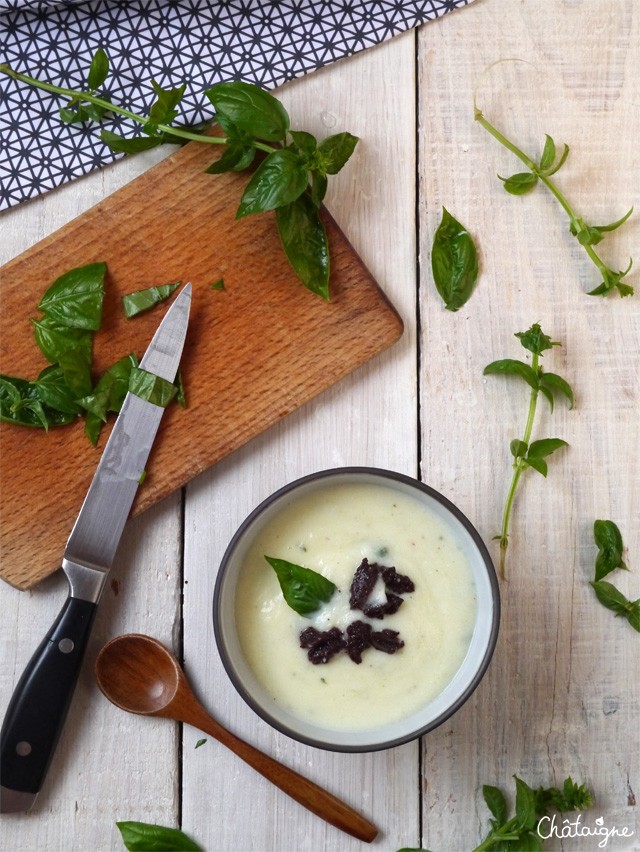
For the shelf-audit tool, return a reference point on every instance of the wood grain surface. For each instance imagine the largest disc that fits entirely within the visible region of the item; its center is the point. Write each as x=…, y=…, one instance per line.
x=255, y=351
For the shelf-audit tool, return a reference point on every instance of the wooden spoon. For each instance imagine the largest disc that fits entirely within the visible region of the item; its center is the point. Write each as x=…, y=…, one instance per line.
x=139, y=675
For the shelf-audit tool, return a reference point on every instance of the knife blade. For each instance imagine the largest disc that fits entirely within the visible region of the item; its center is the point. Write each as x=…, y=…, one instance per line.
x=38, y=707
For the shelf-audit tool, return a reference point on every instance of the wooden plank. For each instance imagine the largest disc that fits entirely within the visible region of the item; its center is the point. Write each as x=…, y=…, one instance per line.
x=109, y=765
x=560, y=697
x=255, y=351
x=370, y=418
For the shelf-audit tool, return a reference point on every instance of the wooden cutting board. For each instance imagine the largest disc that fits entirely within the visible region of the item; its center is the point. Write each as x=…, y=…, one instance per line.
x=255, y=351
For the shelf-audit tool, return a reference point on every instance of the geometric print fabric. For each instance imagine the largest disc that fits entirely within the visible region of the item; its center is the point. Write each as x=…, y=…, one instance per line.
x=197, y=42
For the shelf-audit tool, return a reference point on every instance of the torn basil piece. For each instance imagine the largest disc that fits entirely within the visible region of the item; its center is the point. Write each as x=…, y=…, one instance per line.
x=143, y=300
x=304, y=590
x=151, y=388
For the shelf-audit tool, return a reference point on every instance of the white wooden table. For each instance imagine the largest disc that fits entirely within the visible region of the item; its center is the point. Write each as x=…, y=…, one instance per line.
x=561, y=696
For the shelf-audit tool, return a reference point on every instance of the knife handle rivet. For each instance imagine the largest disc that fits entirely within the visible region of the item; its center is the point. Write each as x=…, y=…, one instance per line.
x=23, y=749
x=66, y=646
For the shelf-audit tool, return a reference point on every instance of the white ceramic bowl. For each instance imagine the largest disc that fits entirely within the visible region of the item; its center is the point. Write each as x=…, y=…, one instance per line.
x=434, y=712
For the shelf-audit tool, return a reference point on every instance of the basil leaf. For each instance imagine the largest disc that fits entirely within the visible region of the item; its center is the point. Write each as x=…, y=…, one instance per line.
x=454, y=262
x=144, y=837
x=279, y=180
x=75, y=298
x=200, y=743
x=305, y=243
x=525, y=804
x=520, y=183
x=556, y=385
x=250, y=109
x=236, y=157
x=537, y=464
x=319, y=184
x=111, y=389
x=335, y=150
x=613, y=599
x=21, y=404
x=518, y=448
x=143, y=300
x=76, y=367
x=54, y=339
x=543, y=448
x=510, y=366
x=614, y=225
x=608, y=538
x=304, y=590
x=305, y=142
x=163, y=110
x=151, y=388
x=98, y=69
x=548, y=154
x=130, y=146
x=53, y=391
x=496, y=802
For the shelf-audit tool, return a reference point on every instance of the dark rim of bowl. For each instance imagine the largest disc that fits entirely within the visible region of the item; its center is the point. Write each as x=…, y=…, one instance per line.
x=413, y=483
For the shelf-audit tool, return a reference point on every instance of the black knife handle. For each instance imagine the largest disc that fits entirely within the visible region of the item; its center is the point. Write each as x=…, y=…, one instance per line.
x=41, y=699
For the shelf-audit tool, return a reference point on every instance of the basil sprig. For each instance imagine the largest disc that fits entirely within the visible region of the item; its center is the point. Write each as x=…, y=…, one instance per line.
x=304, y=590
x=527, y=453
x=608, y=538
x=541, y=172
x=454, y=262
x=293, y=167
x=145, y=837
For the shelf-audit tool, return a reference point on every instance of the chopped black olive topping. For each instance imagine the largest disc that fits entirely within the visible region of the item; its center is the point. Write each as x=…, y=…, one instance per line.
x=362, y=584
x=322, y=645
x=398, y=583
x=358, y=639
x=386, y=640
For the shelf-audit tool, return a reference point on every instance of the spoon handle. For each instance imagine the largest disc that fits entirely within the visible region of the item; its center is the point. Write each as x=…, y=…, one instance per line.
x=308, y=794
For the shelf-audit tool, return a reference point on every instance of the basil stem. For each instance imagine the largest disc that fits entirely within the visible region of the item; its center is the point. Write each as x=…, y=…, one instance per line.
x=529, y=453
x=586, y=235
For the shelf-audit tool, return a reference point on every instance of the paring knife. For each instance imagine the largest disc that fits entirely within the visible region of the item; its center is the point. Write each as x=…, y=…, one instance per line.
x=39, y=704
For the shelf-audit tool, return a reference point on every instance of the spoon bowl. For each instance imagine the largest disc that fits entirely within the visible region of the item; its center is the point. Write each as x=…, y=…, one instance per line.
x=139, y=675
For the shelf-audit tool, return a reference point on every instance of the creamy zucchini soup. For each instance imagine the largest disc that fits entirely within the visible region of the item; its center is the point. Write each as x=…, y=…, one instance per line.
x=387, y=641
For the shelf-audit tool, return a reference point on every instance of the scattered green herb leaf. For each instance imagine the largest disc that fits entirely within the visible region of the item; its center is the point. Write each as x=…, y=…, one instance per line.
x=218, y=285
x=304, y=590
x=541, y=172
x=291, y=179
x=454, y=262
x=520, y=832
x=608, y=538
x=142, y=477
x=145, y=837
x=527, y=453
x=151, y=388
x=305, y=243
x=22, y=402
x=143, y=300
x=74, y=300
x=200, y=743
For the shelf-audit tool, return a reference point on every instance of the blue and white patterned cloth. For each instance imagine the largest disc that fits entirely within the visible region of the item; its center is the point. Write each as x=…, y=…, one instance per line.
x=198, y=42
